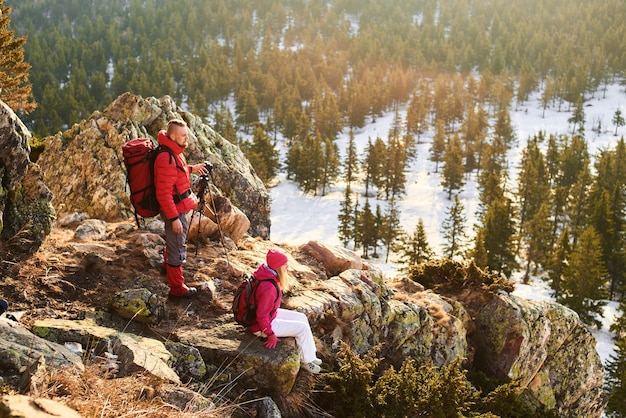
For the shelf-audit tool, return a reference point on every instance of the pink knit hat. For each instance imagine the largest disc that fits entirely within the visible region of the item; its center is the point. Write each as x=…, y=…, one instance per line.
x=275, y=259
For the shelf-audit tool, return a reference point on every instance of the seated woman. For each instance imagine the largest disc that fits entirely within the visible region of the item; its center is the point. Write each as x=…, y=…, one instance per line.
x=272, y=320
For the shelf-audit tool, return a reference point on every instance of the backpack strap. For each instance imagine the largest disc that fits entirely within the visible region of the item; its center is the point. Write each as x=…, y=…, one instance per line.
x=267, y=280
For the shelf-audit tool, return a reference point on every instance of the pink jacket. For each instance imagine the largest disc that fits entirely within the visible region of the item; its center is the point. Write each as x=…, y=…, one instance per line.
x=172, y=180
x=267, y=301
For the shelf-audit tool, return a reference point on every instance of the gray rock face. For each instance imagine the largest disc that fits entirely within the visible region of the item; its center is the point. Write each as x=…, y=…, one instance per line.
x=547, y=349
x=19, y=348
x=26, y=214
x=94, y=182
x=132, y=353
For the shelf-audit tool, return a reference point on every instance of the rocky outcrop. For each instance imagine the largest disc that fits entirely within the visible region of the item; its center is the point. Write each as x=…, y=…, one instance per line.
x=20, y=348
x=129, y=353
x=84, y=165
x=26, y=214
x=543, y=347
x=546, y=349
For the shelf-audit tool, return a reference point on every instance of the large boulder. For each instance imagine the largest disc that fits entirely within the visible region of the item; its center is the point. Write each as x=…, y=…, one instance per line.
x=26, y=214
x=129, y=353
x=546, y=349
x=88, y=159
x=20, y=348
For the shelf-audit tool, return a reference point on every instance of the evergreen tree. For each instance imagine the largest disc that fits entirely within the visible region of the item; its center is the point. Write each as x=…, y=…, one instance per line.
x=479, y=252
x=453, y=170
x=578, y=116
x=578, y=207
x=439, y=143
x=374, y=163
x=331, y=163
x=615, y=381
x=351, y=163
x=416, y=116
x=367, y=229
x=474, y=133
x=15, y=89
x=224, y=124
x=558, y=261
x=537, y=232
x=585, y=278
x=311, y=164
x=499, y=229
x=503, y=131
x=394, y=171
x=618, y=120
x=490, y=180
x=453, y=229
x=246, y=106
x=390, y=228
x=346, y=218
x=533, y=183
x=414, y=249
x=263, y=156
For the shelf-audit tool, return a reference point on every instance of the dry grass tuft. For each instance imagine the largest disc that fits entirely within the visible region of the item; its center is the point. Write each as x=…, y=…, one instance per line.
x=94, y=393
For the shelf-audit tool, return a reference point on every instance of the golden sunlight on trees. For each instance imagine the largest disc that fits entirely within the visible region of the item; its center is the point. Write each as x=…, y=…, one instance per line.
x=15, y=90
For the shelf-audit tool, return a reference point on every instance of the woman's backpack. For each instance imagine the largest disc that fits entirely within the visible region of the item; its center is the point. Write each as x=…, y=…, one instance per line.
x=244, y=306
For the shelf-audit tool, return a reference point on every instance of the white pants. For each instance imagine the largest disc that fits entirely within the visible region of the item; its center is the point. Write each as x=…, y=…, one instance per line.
x=295, y=324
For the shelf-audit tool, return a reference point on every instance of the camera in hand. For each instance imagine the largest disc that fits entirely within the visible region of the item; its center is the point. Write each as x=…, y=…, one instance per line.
x=208, y=166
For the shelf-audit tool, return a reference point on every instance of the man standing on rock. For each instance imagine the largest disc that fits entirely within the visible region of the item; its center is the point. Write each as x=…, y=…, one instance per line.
x=172, y=180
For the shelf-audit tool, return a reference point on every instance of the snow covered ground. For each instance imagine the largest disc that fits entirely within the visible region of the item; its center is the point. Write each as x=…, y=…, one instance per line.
x=298, y=217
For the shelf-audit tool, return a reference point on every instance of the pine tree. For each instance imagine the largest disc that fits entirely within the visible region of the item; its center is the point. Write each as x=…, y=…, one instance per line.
x=394, y=171
x=416, y=116
x=414, y=249
x=453, y=229
x=374, y=164
x=558, y=261
x=503, y=131
x=390, y=227
x=585, y=278
x=15, y=89
x=224, y=124
x=618, y=120
x=263, y=155
x=246, y=106
x=439, y=143
x=479, y=252
x=578, y=207
x=453, y=170
x=615, y=381
x=351, y=163
x=367, y=230
x=499, y=231
x=537, y=239
x=330, y=157
x=346, y=218
x=578, y=116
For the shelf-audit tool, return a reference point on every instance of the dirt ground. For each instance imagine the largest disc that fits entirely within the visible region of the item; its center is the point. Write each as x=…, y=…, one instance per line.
x=68, y=278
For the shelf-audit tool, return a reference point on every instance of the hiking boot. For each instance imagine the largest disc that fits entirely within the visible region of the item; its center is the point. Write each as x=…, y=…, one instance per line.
x=317, y=361
x=190, y=292
x=311, y=367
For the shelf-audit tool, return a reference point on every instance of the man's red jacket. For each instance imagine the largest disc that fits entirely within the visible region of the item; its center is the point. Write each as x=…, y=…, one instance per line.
x=172, y=180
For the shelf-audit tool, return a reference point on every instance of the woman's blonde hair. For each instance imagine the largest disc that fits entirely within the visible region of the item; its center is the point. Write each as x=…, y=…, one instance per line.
x=283, y=277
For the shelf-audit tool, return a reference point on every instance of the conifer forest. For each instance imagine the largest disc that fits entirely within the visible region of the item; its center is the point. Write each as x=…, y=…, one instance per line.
x=304, y=71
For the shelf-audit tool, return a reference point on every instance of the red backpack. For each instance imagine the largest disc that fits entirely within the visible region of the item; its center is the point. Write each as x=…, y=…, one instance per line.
x=244, y=304
x=139, y=155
